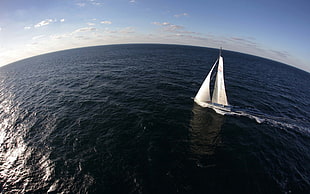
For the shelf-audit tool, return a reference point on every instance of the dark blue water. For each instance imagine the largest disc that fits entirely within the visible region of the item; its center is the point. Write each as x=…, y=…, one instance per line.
x=121, y=119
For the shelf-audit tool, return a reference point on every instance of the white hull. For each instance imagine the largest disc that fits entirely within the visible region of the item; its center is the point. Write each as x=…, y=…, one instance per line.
x=221, y=109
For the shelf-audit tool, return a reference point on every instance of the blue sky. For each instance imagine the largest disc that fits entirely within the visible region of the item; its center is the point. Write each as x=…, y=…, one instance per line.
x=277, y=30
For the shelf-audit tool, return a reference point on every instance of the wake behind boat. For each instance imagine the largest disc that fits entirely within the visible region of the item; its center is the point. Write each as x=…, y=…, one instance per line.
x=219, y=101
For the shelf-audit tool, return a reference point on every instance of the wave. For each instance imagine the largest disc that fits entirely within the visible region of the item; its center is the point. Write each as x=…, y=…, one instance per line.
x=260, y=117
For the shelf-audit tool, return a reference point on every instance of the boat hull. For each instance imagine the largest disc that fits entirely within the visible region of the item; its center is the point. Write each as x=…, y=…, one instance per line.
x=218, y=108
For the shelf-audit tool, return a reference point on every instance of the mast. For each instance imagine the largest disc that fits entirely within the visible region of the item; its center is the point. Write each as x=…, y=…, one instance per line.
x=219, y=92
x=220, y=54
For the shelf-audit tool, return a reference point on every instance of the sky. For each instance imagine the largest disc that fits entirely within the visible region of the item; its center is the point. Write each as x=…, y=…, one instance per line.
x=274, y=29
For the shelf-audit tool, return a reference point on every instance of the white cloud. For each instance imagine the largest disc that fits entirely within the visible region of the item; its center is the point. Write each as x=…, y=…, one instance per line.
x=180, y=15
x=177, y=30
x=95, y=2
x=168, y=27
x=89, y=2
x=127, y=30
x=81, y=4
x=27, y=27
x=57, y=36
x=62, y=20
x=38, y=37
x=87, y=29
x=132, y=1
x=106, y=22
x=0, y=29
x=43, y=23
x=161, y=24
x=91, y=24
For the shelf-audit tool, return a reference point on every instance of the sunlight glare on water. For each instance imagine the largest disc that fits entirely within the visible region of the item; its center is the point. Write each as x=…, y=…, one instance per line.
x=16, y=154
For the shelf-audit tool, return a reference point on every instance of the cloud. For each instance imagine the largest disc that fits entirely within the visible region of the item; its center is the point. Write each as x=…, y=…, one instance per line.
x=57, y=36
x=0, y=29
x=161, y=24
x=87, y=29
x=242, y=41
x=89, y=2
x=132, y=1
x=106, y=22
x=43, y=23
x=176, y=30
x=168, y=27
x=281, y=54
x=127, y=30
x=180, y=15
x=81, y=4
x=108, y=31
x=91, y=24
x=95, y=2
x=38, y=37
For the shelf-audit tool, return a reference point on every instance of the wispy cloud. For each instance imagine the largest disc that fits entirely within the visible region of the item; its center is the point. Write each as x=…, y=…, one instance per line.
x=132, y=1
x=43, y=23
x=180, y=15
x=91, y=24
x=81, y=4
x=161, y=24
x=168, y=26
x=175, y=30
x=108, y=31
x=89, y=2
x=127, y=30
x=241, y=40
x=87, y=29
x=58, y=36
x=281, y=54
x=94, y=2
x=81, y=34
x=106, y=22
x=38, y=37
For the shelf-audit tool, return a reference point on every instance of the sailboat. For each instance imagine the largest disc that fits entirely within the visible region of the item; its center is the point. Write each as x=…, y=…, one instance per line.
x=218, y=101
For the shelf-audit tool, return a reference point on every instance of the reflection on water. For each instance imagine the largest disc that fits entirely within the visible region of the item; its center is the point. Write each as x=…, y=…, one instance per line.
x=205, y=131
x=23, y=165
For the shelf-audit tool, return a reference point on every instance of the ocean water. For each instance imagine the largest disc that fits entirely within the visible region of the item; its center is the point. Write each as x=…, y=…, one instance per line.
x=121, y=119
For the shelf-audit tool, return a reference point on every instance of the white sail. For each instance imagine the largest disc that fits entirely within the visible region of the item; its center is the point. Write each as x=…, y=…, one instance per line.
x=203, y=95
x=218, y=102
x=219, y=93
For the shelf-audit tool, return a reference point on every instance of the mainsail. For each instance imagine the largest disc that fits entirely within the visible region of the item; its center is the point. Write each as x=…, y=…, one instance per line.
x=219, y=97
x=219, y=93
